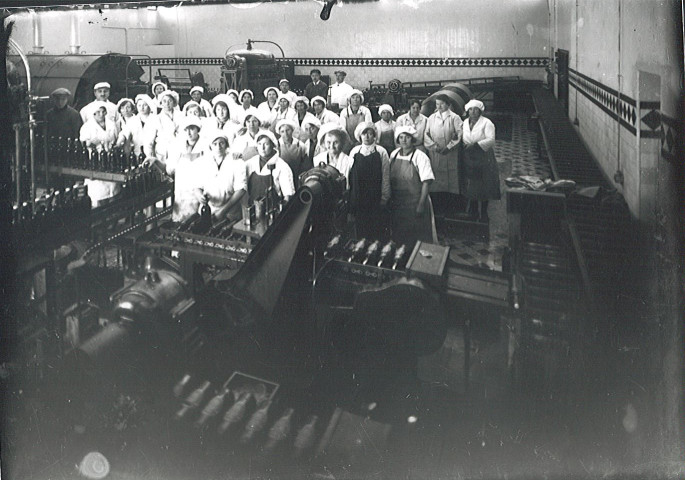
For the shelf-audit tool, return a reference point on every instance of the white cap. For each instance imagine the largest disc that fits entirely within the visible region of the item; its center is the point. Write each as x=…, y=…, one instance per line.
x=286, y=121
x=283, y=97
x=100, y=85
x=152, y=89
x=243, y=92
x=190, y=103
x=147, y=99
x=98, y=104
x=327, y=128
x=361, y=128
x=124, y=100
x=217, y=134
x=266, y=91
x=355, y=91
x=191, y=120
x=197, y=88
x=385, y=108
x=302, y=99
x=318, y=98
x=474, y=103
x=282, y=80
x=222, y=97
x=230, y=90
x=169, y=93
x=408, y=129
x=311, y=120
x=269, y=135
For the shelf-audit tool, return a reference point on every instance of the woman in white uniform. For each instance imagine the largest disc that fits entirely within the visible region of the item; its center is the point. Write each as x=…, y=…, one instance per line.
x=416, y=119
x=481, y=175
x=264, y=167
x=181, y=163
x=222, y=117
x=284, y=85
x=196, y=93
x=442, y=138
x=268, y=106
x=99, y=134
x=283, y=111
x=301, y=106
x=222, y=182
x=290, y=149
x=385, y=128
x=410, y=179
x=333, y=138
x=312, y=145
x=132, y=135
x=354, y=114
x=323, y=114
x=162, y=129
x=245, y=108
x=157, y=89
x=128, y=123
x=245, y=146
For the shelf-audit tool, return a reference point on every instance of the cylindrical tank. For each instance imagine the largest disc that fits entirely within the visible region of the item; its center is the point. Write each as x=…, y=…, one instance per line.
x=260, y=67
x=152, y=297
x=457, y=94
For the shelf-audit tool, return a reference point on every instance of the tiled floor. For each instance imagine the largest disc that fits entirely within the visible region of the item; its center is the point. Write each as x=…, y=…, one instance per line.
x=516, y=157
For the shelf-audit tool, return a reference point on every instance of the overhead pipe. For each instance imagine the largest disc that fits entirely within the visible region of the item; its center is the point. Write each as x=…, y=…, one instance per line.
x=75, y=45
x=37, y=23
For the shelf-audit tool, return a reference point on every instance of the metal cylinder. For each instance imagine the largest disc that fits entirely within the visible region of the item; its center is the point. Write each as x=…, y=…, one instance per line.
x=17, y=161
x=75, y=44
x=37, y=23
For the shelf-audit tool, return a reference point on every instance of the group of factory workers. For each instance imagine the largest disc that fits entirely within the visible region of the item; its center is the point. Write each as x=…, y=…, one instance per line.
x=229, y=152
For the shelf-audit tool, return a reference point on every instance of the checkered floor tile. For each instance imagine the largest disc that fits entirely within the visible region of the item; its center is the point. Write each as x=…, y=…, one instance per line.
x=516, y=157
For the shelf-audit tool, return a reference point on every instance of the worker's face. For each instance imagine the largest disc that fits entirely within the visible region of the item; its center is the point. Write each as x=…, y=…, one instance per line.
x=253, y=124
x=405, y=140
x=333, y=144
x=159, y=89
x=474, y=112
x=167, y=103
x=126, y=109
x=369, y=136
x=284, y=104
x=316, y=76
x=265, y=148
x=100, y=114
x=143, y=107
x=219, y=147
x=193, y=133
x=60, y=101
x=285, y=87
x=234, y=97
x=286, y=131
x=318, y=107
x=102, y=94
x=441, y=105
x=415, y=109
x=196, y=96
x=247, y=99
x=221, y=111
x=271, y=96
x=355, y=100
x=312, y=131
x=339, y=77
x=386, y=115
x=300, y=107
x=194, y=110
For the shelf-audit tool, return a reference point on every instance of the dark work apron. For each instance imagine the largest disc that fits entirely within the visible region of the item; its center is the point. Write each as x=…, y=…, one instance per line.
x=257, y=186
x=351, y=122
x=366, y=180
x=387, y=139
x=481, y=175
x=406, y=184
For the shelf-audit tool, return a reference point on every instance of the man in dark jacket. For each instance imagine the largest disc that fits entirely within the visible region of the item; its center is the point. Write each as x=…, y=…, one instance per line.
x=63, y=120
x=316, y=87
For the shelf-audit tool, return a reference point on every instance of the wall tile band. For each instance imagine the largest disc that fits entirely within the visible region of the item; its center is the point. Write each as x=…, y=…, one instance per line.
x=532, y=62
x=606, y=98
x=671, y=138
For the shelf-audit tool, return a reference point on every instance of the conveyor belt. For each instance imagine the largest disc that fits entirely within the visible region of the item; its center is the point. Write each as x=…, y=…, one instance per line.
x=599, y=227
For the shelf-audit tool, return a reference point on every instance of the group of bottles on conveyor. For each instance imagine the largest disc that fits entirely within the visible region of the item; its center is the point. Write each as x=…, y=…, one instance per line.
x=201, y=223
x=54, y=210
x=368, y=253
x=242, y=417
x=71, y=153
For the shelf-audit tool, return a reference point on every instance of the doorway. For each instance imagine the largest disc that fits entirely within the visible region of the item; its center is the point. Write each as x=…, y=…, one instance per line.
x=562, y=77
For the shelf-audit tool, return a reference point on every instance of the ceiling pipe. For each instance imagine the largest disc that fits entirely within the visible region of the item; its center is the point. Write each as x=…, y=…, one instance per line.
x=75, y=44
x=37, y=23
